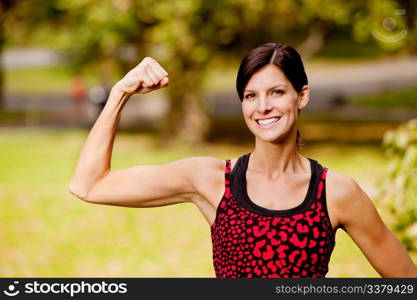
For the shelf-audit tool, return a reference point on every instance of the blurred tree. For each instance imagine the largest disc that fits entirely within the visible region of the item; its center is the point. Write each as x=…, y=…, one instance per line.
x=20, y=20
x=320, y=17
x=184, y=35
x=410, y=13
x=391, y=23
x=6, y=6
x=398, y=193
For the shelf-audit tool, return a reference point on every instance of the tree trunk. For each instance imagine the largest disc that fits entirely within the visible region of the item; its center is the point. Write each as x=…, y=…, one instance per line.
x=314, y=41
x=187, y=120
x=194, y=126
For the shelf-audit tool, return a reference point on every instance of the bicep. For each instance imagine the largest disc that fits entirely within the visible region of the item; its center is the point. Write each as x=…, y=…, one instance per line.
x=145, y=186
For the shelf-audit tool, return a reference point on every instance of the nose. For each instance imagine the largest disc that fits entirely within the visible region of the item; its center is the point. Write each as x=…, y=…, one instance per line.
x=264, y=104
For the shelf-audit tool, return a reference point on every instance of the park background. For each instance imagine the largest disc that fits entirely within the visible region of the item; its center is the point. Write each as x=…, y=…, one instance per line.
x=58, y=59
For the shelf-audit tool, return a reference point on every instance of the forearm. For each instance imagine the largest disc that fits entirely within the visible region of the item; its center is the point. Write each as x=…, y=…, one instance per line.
x=402, y=264
x=390, y=258
x=94, y=160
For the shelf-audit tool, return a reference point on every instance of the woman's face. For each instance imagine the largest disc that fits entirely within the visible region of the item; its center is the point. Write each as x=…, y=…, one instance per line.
x=270, y=105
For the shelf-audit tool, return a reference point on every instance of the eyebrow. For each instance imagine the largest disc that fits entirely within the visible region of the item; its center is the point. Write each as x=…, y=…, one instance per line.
x=271, y=88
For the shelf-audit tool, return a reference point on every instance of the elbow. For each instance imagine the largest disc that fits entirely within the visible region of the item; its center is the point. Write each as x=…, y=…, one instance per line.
x=82, y=192
x=78, y=191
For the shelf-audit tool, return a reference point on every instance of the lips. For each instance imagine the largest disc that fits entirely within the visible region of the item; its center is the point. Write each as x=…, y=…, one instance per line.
x=267, y=122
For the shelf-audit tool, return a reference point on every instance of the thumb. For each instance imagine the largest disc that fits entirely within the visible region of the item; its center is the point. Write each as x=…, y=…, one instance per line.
x=164, y=82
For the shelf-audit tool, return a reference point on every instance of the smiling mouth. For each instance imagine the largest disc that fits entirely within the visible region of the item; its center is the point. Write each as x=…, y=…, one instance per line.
x=268, y=122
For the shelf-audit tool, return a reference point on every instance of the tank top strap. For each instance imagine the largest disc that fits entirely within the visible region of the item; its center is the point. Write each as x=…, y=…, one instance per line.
x=227, y=170
x=321, y=191
x=320, y=196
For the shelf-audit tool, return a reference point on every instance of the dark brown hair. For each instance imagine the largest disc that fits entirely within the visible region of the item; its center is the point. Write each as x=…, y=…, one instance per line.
x=283, y=56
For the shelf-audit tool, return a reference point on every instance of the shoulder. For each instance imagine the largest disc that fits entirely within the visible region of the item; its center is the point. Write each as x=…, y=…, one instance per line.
x=201, y=171
x=346, y=196
x=341, y=186
x=207, y=176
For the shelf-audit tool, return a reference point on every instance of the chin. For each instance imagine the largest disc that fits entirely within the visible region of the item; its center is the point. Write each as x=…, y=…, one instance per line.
x=271, y=136
x=271, y=139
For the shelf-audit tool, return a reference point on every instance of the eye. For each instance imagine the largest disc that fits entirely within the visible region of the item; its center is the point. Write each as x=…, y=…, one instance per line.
x=248, y=96
x=277, y=92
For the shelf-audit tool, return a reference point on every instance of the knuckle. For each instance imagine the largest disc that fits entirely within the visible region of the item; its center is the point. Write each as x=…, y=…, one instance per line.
x=138, y=70
x=148, y=59
x=144, y=62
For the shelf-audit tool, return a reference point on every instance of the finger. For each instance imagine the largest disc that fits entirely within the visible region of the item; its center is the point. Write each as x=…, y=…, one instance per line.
x=159, y=68
x=162, y=74
x=157, y=72
x=164, y=82
x=146, y=79
x=152, y=76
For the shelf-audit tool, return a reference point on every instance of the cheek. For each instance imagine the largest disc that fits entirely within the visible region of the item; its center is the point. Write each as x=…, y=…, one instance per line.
x=288, y=103
x=247, y=110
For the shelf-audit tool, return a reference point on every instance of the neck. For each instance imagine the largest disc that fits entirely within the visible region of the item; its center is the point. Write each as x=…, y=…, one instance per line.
x=274, y=159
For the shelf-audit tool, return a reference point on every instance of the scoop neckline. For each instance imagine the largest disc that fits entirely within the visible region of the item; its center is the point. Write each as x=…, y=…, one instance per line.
x=255, y=208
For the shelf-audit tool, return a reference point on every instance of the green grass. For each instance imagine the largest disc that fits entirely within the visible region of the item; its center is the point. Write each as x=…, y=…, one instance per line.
x=48, y=232
x=406, y=98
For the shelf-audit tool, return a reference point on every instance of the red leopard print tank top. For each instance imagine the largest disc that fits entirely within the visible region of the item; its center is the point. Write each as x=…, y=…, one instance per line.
x=252, y=241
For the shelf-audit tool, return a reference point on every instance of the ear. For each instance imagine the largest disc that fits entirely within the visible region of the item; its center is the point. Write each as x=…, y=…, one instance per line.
x=303, y=97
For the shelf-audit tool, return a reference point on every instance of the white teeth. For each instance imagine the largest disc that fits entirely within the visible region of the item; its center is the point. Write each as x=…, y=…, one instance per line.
x=268, y=121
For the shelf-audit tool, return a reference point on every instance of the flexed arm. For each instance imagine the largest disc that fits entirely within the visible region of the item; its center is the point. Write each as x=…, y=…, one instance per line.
x=93, y=179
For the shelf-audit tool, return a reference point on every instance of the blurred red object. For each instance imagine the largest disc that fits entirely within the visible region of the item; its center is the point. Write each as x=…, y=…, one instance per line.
x=78, y=89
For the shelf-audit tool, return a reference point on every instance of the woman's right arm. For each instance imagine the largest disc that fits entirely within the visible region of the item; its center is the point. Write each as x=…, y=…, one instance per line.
x=139, y=186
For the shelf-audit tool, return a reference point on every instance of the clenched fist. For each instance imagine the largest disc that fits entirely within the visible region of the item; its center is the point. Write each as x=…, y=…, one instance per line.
x=147, y=76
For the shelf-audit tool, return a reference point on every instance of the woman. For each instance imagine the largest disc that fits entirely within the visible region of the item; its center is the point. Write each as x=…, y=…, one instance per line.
x=273, y=212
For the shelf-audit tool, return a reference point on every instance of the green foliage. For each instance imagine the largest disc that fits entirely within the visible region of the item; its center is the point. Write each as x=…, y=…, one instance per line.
x=405, y=98
x=369, y=22
x=112, y=36
x=399, y=187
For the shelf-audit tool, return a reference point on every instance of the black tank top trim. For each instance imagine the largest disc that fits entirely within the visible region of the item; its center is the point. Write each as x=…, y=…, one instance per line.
x=238, y=187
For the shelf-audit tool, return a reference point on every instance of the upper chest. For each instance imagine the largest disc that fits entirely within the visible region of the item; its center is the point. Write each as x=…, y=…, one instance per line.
x=285, y=192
